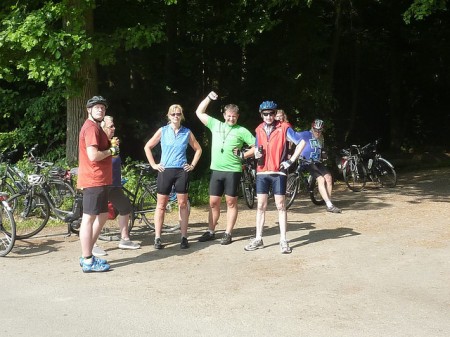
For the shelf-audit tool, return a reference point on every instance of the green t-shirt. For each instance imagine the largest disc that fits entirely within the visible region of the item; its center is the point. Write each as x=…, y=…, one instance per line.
x=224, y=139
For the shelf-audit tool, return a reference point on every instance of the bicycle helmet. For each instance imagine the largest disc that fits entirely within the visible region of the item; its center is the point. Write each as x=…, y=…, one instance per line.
x=35, y=179
x=96, y=100
x=57, y=172
x=317, y=124
x=268, y=105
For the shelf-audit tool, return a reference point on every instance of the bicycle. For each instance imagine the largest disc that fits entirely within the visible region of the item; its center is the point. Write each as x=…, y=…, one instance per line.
x=248, y=181
x=12, y=179
x=301, y=182
x=7, y=226
x=32, y=205
x=360, y=164
x=143, y=200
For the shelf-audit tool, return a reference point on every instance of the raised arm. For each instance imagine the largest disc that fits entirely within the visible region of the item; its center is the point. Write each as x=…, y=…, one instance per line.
x=148, y=150
x=201, y=110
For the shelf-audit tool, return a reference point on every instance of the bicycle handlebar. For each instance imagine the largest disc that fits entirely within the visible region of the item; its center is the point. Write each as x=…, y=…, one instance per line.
x=143, y=166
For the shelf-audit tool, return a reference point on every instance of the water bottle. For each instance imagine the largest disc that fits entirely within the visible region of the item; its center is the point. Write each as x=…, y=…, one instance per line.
x=369, y=165
x=261, y=159
x=114, y=143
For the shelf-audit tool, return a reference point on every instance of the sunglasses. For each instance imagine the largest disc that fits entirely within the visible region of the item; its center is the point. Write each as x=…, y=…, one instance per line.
x=268, y=113
x=178, y=114
x=111, y=127
x=317, y=130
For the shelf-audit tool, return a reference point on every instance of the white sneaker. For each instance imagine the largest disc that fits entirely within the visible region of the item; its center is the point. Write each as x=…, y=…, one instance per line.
x=284, y=247
x=128, y=244
x=254, y=244
x=97, y=251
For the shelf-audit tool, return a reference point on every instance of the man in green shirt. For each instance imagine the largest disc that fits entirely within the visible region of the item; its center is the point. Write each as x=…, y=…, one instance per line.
x=228, y=139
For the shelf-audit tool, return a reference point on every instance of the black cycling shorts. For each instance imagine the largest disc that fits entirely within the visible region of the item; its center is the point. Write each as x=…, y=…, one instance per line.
x=172, y=177
x=317, y=170
x=224, y=183
x=119, y=200
x=95, y=200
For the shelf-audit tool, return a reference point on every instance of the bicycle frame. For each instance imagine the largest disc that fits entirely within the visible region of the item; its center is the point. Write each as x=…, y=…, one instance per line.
x=301, y=180
x=13, y=178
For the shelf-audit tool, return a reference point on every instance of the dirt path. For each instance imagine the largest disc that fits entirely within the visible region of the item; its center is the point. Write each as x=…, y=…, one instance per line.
x=381, y=268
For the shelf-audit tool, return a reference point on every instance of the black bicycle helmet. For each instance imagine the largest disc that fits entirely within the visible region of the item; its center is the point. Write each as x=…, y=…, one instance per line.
x=96, y=100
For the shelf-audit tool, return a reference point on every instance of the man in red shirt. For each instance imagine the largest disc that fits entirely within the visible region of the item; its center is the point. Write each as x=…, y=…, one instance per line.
x=94, y=176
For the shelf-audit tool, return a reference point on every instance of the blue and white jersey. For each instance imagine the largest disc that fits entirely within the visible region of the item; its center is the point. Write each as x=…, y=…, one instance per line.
x=313, y=147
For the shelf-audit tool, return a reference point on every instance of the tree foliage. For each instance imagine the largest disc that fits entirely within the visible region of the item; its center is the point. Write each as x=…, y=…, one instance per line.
x=369, y=69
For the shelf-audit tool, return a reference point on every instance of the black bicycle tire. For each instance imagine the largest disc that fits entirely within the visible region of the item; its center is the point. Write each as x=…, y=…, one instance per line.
x=29, y=225
x=351, y=178
x=7, y=233
x=63, y=204
x=387, y=171
x=291, y=188
x=248, y=189
x=315, y=196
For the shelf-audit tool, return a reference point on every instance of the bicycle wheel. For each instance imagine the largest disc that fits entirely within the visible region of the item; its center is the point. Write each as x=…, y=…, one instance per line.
x=62, y=196
x=355, y=175
x=31, y=214
x=385, y=172
x=8, y=189
x=314, y=194
x=291, y=188
x=147, y=207
x=7, y=230
x=248, y=188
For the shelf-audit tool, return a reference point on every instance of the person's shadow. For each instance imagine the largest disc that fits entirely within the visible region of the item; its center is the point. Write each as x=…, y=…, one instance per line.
x=322, y=234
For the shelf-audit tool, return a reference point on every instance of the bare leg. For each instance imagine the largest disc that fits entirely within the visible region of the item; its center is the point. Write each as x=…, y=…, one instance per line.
x=90, y=228
x=123, y=226
x=160, y=213
x=214, y=211
x=328, y=184
x=322, y=189
x=261, y=214
x=183, y=213
x=282, y=216
x=232, y=212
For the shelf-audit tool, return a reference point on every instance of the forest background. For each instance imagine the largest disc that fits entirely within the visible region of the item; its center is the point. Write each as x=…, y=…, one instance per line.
x=369, y=68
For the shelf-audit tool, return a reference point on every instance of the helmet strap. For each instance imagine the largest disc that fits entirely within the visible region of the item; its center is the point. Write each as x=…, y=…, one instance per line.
x=95, y=119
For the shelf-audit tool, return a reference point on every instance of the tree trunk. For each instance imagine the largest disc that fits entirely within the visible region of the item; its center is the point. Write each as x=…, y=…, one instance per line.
x=76, y=105
x=76, y=110
x=335, y=42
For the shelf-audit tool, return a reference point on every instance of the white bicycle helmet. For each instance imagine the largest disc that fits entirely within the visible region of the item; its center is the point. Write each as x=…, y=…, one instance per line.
x=35, y=179
x=317, y=124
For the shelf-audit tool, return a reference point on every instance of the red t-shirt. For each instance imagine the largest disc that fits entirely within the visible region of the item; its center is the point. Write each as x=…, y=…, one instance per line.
x=93, y=173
